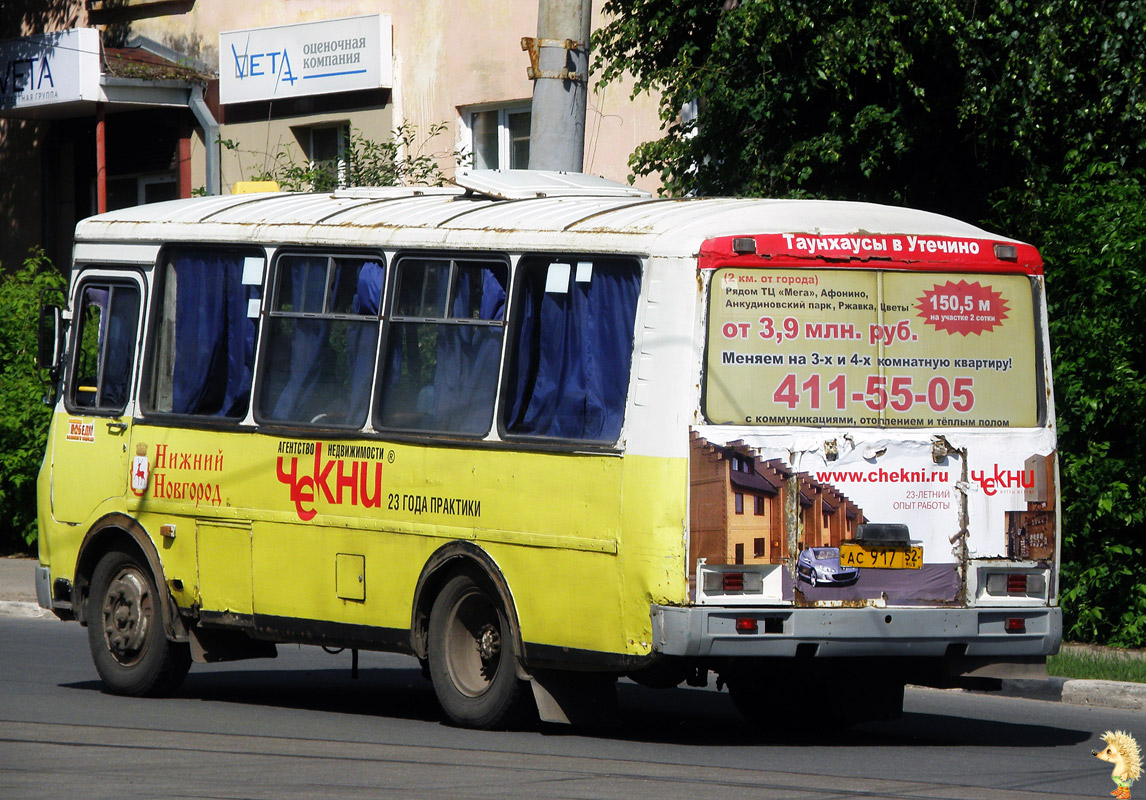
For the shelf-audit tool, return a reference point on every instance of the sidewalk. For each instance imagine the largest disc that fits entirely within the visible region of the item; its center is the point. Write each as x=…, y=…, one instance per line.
x=18, y=598
x=18, y=588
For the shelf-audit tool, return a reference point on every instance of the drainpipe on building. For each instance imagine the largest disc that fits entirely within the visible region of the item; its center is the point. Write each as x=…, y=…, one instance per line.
x=210, y=138
x=559, y=67
x=101, y=159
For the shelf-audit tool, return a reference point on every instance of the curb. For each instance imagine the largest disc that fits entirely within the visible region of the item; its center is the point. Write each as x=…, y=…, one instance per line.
x=17, y=608
x=1123, y=695
x=1106, y=694
x=1050, y=688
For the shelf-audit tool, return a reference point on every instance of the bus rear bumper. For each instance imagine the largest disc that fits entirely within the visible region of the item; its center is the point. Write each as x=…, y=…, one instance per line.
x=974, y=633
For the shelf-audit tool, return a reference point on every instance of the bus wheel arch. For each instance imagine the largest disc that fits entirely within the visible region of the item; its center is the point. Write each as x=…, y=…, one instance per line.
x=465, y=632
x=121, y=532
x=447, y=561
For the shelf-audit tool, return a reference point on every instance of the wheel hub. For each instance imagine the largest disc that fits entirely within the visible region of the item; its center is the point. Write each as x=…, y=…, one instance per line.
x=488, y=643
x=126, y=616
x=473, y=646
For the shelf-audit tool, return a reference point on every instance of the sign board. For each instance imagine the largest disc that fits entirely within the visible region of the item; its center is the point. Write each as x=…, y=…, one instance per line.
x=853, y=347
x=338, y=55
x=50, y=69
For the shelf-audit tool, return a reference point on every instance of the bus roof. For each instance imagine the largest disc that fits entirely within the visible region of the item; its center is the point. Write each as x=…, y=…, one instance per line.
x=593, y=217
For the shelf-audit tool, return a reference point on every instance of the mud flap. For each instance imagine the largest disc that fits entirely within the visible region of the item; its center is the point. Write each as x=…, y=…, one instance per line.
x=209, y=646
x=576, y=698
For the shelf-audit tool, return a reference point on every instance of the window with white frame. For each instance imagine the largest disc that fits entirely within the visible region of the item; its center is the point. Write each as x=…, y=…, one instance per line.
x=498, y=136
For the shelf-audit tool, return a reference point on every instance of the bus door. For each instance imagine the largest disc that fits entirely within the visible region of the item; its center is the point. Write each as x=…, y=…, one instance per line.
x=194, y=393
x=90, y=457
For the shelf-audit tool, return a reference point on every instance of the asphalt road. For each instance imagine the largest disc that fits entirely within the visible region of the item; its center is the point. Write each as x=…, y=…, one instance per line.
x=299, y=727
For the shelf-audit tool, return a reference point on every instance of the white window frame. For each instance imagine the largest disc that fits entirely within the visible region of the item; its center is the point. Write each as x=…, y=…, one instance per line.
x=504, y=144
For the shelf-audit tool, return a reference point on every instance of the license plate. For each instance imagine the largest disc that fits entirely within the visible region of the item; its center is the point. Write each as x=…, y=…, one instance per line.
x=858, y=555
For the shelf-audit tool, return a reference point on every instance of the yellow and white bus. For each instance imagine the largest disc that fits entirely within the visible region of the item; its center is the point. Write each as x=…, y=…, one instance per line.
x=541, y=431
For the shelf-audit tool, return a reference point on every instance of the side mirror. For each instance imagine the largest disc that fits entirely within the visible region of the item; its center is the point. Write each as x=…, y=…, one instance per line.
x=49, y=331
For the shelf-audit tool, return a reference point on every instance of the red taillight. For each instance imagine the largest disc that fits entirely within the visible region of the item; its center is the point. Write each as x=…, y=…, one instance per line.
x=733, y=581
x=1016, y=583
x=746, y=625
x=1015, y=625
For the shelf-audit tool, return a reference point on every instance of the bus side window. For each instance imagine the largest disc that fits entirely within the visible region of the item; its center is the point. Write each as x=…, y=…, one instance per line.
x=104, y=347
x=204, y=346
x=572, y=348
x=443, y=349
x=322, y=340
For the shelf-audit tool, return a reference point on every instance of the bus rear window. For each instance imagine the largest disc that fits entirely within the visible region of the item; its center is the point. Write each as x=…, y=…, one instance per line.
x=868, y=348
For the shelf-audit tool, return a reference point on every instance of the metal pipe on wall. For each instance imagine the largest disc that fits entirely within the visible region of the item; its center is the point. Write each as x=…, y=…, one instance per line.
x=210, y=138
x=559, y=67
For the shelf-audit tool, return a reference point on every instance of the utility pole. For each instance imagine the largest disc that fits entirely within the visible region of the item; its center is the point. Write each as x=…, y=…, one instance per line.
x=559, y=67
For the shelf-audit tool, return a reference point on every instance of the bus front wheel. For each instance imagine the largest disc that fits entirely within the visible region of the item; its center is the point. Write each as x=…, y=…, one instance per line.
x=471, y=656
x=125, y=630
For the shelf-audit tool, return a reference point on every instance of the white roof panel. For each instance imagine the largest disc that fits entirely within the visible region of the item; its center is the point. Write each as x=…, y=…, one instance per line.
x=541, y=214
x=421, y=211
x=378, y=217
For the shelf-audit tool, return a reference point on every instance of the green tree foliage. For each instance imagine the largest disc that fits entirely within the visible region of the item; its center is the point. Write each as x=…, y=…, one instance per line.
x=935, y=103
x=23, y=415
x=1093, y=235
x=1024, y=116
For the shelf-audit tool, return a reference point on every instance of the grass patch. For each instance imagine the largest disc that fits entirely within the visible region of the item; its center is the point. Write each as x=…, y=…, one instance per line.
x=1113, y=666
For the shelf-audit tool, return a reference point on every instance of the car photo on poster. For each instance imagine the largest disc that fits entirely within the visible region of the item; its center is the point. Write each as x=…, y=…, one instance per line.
x=820, y=566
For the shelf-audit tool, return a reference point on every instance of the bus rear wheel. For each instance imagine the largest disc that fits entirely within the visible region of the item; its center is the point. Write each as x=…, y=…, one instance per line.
x=472, y=658
x=125, y=630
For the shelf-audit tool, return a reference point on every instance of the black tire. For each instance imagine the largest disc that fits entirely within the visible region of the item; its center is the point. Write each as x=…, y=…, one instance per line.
x=125, y=630
x=473, y=664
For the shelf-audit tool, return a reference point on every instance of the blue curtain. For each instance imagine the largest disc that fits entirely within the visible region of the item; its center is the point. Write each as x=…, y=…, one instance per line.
x=362, y=339
x=465, y=375
x=214, y=337
x=570, y=375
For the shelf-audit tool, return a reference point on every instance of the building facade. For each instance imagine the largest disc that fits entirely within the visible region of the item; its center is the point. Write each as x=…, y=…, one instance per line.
x=108, y=103
x=739, y=502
